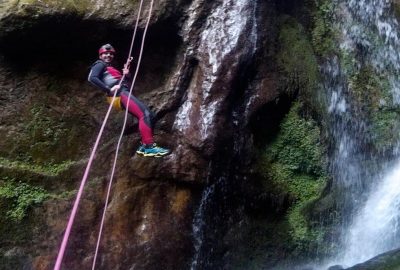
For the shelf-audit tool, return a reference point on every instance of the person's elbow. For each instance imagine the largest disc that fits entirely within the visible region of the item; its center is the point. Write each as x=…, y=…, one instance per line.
x=93, y=80
x=90, y=77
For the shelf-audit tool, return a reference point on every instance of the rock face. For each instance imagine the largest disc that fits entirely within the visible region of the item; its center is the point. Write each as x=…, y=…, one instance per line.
x=387, y=261
x=205, y=72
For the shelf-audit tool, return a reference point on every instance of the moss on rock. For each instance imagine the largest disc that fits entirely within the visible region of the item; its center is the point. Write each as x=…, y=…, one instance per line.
x=22, y=14
x=294, y=165
x=44, y=140
x=293, y=175
x=373, y=100
x=296, y=58
x=297, y=146
x=38, y=7
x=20, y=197
x=385, y=128
x=46, y=169
x=367, y=89
x=323, y=33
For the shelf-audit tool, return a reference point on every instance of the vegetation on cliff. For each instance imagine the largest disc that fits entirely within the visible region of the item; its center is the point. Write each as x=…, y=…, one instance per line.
x=322, y=32
x=297, y=61
x=292, y=162
x=19, y=197
x=294, y=166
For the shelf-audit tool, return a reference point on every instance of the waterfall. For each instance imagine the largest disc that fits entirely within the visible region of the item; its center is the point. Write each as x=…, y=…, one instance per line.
x=370, y=190
x=376, y=227
x=199, y=224
x=227, y=39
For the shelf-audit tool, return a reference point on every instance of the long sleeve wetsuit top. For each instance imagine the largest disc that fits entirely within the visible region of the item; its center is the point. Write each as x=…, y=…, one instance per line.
x=104, y=77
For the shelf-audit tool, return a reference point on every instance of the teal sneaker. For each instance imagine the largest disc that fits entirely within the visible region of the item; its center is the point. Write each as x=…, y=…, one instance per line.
x=152, y=150
x=140, y=150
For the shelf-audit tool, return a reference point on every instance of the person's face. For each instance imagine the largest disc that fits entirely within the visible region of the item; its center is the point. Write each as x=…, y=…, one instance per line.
x=107, y=57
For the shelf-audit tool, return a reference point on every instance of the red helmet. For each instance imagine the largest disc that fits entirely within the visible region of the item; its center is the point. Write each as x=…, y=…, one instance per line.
x=106, y=48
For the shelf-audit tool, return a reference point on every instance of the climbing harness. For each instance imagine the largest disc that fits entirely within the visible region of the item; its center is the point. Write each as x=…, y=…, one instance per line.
x=91, y=158
x=115, y=102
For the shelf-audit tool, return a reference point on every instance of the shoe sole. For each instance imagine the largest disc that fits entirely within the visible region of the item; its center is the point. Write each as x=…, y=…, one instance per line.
x=152, y=154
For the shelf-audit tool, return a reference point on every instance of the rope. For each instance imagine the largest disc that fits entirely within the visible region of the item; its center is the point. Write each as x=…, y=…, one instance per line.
x=123, y=128
x=79, y=195
x=67, y=233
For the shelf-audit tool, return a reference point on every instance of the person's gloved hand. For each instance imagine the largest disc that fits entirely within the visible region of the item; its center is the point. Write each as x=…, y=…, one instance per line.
x=125, y=71
x=115, y=88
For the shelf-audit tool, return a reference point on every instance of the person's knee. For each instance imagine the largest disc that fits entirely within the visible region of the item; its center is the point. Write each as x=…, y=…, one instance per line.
x=149, y=118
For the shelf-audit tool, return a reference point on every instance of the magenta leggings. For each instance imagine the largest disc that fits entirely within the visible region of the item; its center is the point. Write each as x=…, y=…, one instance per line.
x=142, y=113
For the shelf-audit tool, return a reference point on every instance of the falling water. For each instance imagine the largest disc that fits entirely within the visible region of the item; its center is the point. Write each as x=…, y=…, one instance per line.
x=220, y=41
x=368, y=34
x=376, y=227
x=199, y=224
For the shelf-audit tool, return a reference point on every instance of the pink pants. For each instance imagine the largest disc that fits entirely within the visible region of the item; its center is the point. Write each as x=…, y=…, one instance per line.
x=142, y=113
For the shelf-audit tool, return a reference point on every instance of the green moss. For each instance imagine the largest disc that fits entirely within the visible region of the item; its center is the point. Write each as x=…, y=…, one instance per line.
x=385, y=128
x=5, y=5
x=47, y=169
x=77, y=6
x=80, y=7
x=297, y=146
x=46, y=137
x=20, y=197
x=369, y=88
x=323, y=33
x=44, y=131
x=299, y=185
x=294, y=165
x=347, y=62
x=293, y=175
x=371, y=93
x=305, y=236
x=296, y=57
x=18, y=223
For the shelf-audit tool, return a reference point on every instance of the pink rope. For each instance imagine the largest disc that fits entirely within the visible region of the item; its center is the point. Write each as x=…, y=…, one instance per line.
x=67, y=233
x=123, y=129
x=80, y=192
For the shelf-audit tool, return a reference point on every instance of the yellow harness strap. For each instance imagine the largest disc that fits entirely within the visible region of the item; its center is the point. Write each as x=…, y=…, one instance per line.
x=116, y=104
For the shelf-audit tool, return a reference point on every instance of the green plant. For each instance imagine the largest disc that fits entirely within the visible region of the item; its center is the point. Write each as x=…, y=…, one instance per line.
x=46, y=137
x=297, y=146
x=323, y=33
x=296, y=57
x=20, y=198
x=51, y=169
x=371, y=93
x=294, y=164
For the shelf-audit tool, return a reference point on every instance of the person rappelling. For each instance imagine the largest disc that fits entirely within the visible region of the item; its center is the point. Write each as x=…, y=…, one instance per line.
x=107, y=78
